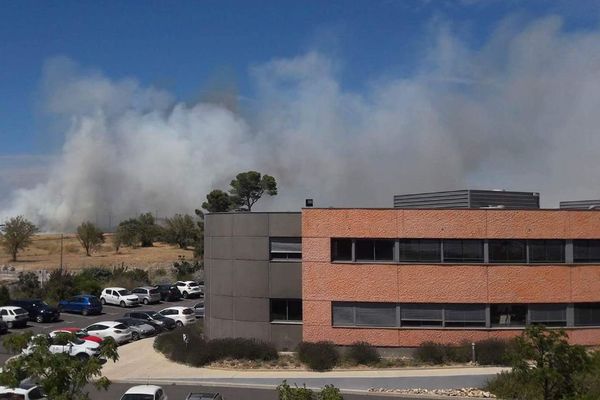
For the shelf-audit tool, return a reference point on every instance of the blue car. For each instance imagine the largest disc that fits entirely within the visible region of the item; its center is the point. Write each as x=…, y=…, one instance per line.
x=84, y=304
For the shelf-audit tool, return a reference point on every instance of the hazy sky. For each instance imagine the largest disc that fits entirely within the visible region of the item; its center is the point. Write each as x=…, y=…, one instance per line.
x=132, y=106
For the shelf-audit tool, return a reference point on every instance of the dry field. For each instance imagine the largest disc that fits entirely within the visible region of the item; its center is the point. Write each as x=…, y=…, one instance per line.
x=44, y=253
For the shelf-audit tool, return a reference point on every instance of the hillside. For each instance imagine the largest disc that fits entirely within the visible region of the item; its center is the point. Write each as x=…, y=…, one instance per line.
x=44, y=253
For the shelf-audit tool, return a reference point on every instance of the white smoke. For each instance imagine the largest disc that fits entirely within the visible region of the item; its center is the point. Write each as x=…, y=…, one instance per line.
x=520, y=112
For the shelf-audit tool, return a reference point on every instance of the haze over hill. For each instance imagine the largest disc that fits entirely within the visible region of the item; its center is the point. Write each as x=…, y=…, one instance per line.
x=518, y=112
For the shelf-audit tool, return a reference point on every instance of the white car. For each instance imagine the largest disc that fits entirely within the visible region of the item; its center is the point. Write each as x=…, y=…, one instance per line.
x=14, y=316
x=73, y=346
x=181, y=315
x=188, y=288
x=113, y=329
x=24, y=392
x=119, y=296
x=145, y=392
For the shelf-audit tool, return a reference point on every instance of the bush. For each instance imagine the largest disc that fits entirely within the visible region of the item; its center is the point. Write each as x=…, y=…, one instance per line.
x=507, y=385
x=330, y=392
x=493, y=352
x=319, y=356
x=199, y=352
x=431, y=353
x=286, y=392
x=362, y=353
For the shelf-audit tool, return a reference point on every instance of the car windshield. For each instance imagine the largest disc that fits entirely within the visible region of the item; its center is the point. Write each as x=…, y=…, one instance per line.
x=154, y=291
x=187, y=311
x=124, y=292
x=120, y=326
x=41, y=304
x=20, y=311
x=193, y=284
x=94, y=301
x=155, y=315
x=135, y=396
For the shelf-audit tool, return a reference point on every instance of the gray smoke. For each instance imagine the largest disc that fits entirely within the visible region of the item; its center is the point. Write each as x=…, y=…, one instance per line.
x=520, y=112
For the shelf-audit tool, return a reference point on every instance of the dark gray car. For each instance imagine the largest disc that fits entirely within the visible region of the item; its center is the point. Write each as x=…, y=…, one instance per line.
x=139, y=329
x=154, y=317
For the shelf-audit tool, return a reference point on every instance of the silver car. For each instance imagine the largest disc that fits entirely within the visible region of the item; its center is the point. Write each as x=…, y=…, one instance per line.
x=139, y=329
x=147, y=294
x=199, y=309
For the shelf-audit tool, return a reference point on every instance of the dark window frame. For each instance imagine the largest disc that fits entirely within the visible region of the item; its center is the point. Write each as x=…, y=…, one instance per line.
x=531, y=257
x=587, y=258
x=287, y=302
x=289, y=256
x=404, y=248
x=463, y=259
x=505, y=250
x=373, y=244
x=592, y=311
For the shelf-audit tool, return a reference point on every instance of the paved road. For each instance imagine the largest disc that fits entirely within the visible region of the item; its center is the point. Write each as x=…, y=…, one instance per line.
x=77, y=320
x=179, y=392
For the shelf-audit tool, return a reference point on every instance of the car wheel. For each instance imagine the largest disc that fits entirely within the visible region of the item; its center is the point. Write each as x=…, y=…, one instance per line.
x=10, y=324
x=185, y=295
x=122, y=304
x=135, y=336
x=84, y=312
x=102, y=300
x=179, y=324
x=39, y=319
x=145, y=301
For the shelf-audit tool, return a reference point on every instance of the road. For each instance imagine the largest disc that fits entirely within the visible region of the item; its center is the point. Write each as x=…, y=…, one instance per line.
x=109, y=313
x=179, y=392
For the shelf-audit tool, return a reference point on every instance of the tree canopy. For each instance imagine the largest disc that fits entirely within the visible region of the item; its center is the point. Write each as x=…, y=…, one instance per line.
x=16, y=235
x=181, y=230
x=62, y=377
x=133, y=232
x=90, y=237
x=218, y=201
x=248, y=187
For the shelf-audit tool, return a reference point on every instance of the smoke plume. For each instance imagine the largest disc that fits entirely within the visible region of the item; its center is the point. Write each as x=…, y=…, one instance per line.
x=519, y=112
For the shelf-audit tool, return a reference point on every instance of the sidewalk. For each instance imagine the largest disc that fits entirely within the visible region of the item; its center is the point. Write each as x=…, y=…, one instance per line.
x=139, y=362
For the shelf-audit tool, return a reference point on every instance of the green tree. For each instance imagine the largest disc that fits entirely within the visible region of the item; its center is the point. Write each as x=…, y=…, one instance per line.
x=28, y=284
x=60, y=285
x=199, y=245
x=4, y=296
x=90, y=237
x=544, y=366
x=248, y=187
x=181, y=230
x=127, y=233
x=61, y=376
x=148, y=230
x=16, y=235
x=218, y=201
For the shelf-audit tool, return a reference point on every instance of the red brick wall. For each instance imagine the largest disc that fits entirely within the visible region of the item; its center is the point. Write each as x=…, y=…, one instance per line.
x=323, y=281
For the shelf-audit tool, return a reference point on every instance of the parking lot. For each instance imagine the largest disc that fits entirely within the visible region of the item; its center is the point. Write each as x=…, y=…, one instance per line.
x=109, y=313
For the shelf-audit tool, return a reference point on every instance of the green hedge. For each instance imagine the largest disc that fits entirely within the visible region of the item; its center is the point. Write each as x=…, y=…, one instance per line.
x=487, y=352
x=362, y=353
x=319, y=356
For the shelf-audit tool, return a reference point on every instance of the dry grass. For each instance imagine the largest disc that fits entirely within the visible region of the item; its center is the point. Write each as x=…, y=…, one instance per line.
x=44, y=253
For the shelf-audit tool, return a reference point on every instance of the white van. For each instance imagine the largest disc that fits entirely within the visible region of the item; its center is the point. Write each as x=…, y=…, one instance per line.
x=14, y=316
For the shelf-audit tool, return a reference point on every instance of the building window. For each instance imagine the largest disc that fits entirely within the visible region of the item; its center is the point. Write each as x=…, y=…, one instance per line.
x=508, y=314
x=376, y=314
x=341, y=249
x=421, y=315
x=464, y=315
x=508, y=251
x=546, y=251
x=586, y=251
x=587, y=314
x=463, y=251
x=420, y=250
x=343, y=314
x=374, y=250
x=286, y=248
x=286, y=310
x=548, y=314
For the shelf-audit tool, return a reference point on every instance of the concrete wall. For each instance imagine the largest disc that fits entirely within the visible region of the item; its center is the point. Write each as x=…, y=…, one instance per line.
x=240, y=278
x=324, y=281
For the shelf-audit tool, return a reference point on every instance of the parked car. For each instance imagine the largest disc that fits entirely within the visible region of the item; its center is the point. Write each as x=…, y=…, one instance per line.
x=3, y=327
x=70, y=345
x=23, y=392
x=181, y=315
x=119, y=296
x=147, y=294
x=144, y=392
x=78, y=332
x=168, y=292
x=84, y=304
x=38, y=310
x=139, y=328
x=116, y=330
x=188, y=288
x=152, y=317
x=14, y=316
x=204, y=396
x=199, y=309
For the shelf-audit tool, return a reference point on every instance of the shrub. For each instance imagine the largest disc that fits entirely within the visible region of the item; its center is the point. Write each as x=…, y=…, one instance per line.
x=286, y=392
x=330, y=392
x=362, y=353
x=492, y=352
x=4, y=296
x=506, y=385
x=431, y=353
x=459, y=354
x=184, y=270
x=199, y=352
x=319, y=356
